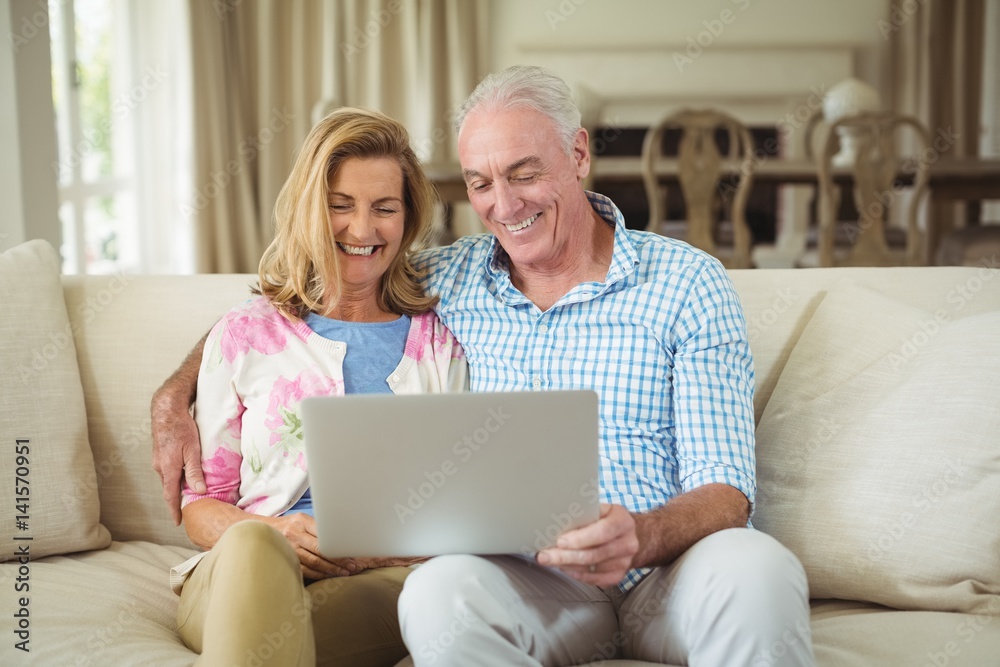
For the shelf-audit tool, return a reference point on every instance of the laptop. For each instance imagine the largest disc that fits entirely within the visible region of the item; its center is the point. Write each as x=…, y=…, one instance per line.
x=432, y=474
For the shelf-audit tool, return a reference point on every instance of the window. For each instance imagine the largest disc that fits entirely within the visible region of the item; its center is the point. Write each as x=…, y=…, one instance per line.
x=95, y=169
x=120, y=88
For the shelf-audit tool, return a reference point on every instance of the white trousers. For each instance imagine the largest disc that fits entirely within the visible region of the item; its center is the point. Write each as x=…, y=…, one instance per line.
x=737, y=597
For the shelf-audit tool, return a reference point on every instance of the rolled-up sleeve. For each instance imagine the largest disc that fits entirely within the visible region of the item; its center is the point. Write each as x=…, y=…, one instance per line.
x=713, y=382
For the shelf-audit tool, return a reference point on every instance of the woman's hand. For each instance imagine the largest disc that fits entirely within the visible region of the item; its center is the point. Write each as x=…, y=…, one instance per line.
x=300, y=531
x=207, y=519
x=362, y=564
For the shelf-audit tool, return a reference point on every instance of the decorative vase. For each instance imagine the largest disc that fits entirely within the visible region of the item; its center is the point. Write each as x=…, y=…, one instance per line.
x=849, y=97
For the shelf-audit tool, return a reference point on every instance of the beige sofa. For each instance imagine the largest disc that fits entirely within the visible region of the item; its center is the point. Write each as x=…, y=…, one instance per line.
x=878, y=393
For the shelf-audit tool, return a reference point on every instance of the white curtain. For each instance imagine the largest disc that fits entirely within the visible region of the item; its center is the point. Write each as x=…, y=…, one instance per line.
x=262, y=66
x=392, y=54
x=255, y=75
x=159, y=51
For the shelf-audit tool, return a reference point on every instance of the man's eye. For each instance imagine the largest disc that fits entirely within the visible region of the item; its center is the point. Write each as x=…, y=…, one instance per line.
x=523, y=179
x=479, y=186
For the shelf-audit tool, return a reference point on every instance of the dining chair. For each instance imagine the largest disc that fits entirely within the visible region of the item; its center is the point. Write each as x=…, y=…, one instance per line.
x=880, y=171
x=977, y=245
x=710, y=184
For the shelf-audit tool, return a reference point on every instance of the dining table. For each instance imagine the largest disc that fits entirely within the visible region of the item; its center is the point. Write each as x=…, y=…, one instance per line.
x=949, y=179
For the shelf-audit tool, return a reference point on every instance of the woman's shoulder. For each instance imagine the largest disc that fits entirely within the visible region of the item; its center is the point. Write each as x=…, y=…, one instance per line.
x=426, y=324
x=258, y=325
x=255, y=304
x=427, y=330
x=258, y=311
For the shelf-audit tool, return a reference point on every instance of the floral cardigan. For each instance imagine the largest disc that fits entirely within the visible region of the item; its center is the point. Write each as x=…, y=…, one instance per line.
x=257, y=367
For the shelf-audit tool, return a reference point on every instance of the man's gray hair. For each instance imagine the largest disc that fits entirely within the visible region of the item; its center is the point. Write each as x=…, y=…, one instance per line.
x=530, y=86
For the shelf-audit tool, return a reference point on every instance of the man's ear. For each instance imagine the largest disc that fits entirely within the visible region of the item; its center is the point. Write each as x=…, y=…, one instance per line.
x=581, y=153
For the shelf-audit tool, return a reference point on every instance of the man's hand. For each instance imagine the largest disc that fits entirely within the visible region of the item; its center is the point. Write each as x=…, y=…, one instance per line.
x=176, y=451
x=176, y=446
x=599, y=553
x=619, y=541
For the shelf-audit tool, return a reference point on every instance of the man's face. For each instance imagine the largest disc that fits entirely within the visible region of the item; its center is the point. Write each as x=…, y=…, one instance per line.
x=524, y=186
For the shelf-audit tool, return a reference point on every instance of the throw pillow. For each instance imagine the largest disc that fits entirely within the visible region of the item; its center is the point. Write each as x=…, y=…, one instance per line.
x=45, y=449
x=878, y=454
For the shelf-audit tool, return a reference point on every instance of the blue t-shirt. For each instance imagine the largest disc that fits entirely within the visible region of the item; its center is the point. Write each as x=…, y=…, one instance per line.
x=374, y=349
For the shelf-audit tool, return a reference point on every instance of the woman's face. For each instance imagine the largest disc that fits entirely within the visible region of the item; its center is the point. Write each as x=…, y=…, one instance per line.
x=367, y=217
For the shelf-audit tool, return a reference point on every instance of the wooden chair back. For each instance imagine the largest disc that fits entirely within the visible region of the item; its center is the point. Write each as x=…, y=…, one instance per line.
x=701, y=168
x=877, y=169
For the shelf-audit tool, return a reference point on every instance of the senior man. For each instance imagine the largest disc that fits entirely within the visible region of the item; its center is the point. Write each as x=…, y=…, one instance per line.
x=563, y=296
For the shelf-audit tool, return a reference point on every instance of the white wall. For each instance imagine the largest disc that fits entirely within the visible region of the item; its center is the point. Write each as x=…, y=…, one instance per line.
x=767, y=62
x=27, y=127
x=639, y=49
x=523, y=23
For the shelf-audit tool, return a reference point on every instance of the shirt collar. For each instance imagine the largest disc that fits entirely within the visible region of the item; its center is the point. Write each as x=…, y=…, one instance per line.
x=624, y=256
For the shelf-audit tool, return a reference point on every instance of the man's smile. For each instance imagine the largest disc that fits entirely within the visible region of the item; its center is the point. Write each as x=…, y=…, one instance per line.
x=521, y=225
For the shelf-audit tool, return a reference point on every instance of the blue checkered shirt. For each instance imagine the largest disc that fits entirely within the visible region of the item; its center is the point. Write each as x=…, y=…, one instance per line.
x=662, y=341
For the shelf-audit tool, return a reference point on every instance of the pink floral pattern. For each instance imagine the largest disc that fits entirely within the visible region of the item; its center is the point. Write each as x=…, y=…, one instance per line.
x=222, y=475
x=234, y=425
x=257, y=369
x=426, y=328
x=283, y=418
x=420, y=332
x=256, y=504
x=258, y=327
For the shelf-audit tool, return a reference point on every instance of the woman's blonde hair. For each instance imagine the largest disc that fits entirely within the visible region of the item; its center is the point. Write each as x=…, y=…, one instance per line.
x=299, y=271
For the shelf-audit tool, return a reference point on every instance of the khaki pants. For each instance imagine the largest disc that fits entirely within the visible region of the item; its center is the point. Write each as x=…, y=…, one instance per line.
x=244, y=604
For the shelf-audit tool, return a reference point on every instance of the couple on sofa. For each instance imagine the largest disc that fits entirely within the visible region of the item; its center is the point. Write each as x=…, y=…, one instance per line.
x=669, y=573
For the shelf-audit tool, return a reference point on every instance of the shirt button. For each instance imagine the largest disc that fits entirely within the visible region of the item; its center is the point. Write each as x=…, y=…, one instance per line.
x=393, y=378
x=542, y=328
x=536, y=383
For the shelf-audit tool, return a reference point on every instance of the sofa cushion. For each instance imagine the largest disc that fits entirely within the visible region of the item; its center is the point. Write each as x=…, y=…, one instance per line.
x=102, y=608
x=878, y=457
x=778, y=304
x=45, y=449
x=131, y=333
x=847, y=634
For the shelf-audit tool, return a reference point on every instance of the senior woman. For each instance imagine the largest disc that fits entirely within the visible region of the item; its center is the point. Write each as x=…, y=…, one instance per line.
x=338, y=310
